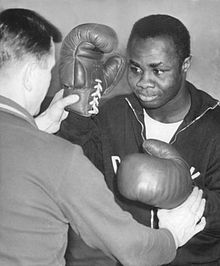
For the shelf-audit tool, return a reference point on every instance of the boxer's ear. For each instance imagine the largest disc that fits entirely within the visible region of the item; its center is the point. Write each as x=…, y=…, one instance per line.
x=186, y=63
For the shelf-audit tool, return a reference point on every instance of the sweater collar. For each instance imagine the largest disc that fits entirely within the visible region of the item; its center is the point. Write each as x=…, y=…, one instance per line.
x=11, y=107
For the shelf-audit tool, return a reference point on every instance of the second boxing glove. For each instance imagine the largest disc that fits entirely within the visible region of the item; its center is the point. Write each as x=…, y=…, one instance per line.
x=84, y=69
x=160, y=177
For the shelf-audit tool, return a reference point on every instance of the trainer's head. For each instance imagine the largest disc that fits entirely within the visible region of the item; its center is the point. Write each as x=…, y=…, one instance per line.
x=26, y=56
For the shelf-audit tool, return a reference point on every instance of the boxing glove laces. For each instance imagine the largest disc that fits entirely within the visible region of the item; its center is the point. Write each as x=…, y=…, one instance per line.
x=84, y=67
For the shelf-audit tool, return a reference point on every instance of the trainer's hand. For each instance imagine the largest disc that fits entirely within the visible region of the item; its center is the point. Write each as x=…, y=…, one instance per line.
x=50, y=120
x=186, y=220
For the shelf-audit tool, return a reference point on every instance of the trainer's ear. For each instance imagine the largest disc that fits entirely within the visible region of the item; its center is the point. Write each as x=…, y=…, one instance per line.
x=186, y=63
x=29, y=75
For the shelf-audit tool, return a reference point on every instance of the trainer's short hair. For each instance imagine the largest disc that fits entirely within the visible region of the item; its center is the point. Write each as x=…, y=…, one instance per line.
x=25, y=32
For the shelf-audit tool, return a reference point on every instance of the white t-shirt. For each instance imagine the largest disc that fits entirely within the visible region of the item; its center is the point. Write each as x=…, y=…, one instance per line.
x=158, y=130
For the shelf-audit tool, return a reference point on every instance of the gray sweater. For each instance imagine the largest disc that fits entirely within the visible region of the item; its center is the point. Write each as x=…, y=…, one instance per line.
x=47, y=184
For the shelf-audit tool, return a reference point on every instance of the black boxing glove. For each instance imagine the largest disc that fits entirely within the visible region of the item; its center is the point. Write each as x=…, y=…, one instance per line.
x=84, y=69
x=160, y=177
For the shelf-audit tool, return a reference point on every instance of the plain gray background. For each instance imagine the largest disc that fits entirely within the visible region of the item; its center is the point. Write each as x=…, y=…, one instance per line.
x=201, y=17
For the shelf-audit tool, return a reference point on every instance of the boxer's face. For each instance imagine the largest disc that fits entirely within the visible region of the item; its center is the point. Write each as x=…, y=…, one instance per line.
x=154, y=73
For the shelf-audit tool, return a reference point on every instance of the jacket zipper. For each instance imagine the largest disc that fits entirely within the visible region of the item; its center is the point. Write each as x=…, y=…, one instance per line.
x=142, y=126
x=144, y=138
x=175, y=137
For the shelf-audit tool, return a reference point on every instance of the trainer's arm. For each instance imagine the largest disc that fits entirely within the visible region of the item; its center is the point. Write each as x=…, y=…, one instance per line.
x=90, y=207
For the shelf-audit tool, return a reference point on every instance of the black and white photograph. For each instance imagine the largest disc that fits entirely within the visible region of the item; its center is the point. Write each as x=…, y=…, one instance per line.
x=109, y=132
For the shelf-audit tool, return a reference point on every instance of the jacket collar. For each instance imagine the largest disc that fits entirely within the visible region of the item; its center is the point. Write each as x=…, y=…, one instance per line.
x=135, y=105
x=11, y=107
x=201, y=102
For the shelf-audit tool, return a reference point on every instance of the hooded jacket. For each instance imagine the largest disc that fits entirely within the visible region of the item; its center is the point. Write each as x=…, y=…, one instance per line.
x=119, y=130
